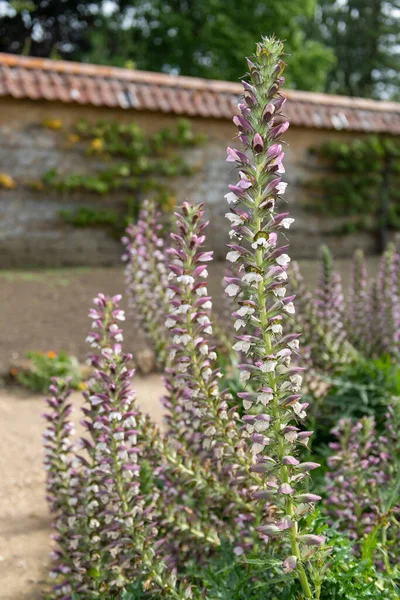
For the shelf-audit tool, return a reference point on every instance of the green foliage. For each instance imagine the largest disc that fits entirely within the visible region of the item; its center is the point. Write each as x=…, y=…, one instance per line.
x=228, y=577
x=207, y=38
x=349, y=578
x=347, y=47
x=138, y=160
x=134, y=163
x=361, y=388
x=364, y=36
x=43, y=28
x=43, y=366
x=362, y=182
x=86, y=216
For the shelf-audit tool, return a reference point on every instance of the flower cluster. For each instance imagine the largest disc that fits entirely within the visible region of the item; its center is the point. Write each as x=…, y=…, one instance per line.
x=146, y=280
x=60, y=485
x=106, y=527
x=146, y=275
x=316, y=351
x=388, y=296
x=113, y=511
x=198, y=410
x=361, y=485
x=329, y=302
x=191, y=349
x=335, y=329
x=272, y=403
x=357, y=302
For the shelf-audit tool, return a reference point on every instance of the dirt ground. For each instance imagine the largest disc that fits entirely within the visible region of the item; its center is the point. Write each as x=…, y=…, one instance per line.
x=24, y=517
x=47, y=310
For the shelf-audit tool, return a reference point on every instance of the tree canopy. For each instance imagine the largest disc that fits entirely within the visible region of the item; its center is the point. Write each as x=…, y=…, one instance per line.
x=342, y=46
x=207, y=38
x=365, y=38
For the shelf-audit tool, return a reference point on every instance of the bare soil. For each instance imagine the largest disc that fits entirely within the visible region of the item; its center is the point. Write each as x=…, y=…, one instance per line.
x=24, y=518
x=47, y=310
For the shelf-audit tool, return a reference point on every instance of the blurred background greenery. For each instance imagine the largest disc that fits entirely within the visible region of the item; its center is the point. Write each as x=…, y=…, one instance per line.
x=349, y=47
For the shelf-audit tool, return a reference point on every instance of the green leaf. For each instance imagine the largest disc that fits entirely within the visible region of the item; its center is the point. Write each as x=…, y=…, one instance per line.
x=93, y=572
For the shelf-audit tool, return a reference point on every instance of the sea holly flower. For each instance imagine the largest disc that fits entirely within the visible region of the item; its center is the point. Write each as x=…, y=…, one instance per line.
x=261, y=284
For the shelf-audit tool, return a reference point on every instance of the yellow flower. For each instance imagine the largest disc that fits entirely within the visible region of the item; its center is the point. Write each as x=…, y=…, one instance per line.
x=52, y=123
x=73, y=138
x=51, y=354
x=169, y=204
x=97, y=144
x=82, y=386
x=6, y=181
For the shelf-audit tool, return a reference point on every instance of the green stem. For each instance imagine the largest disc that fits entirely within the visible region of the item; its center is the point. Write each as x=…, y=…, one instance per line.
x=275, y=410
x=317, y=591
x=386, y=561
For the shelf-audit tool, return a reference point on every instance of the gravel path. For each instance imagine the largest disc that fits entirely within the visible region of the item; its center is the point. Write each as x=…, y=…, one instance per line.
x=24, y=517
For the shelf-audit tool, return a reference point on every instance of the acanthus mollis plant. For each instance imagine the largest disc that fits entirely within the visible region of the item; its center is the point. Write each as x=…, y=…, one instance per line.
x=363, y=487
x=198, y=410
x=191, y=347
x=273, y=399
x=358, y=316
x=315, y=344
x=125, y=520
x=146, y=275
x=329, y=304
x=389, y=302
x=146, y=282
x=62, y=485
x=105, y=528
x=321, y=316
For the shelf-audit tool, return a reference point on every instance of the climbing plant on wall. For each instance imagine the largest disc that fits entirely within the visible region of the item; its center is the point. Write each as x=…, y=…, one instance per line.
x=361, y=182
x=128, y=161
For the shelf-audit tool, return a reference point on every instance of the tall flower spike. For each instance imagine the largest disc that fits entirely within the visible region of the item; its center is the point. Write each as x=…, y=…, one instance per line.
x=273, y=405
x=147, y=284
x=389, y=302
x=329, y=301
x=357, y=315
x=191, y=329
x=146, y=275
x=125, y=522
x=211, y=425
x=61, y=487
x=363, y=464
x=318, y=320
x=314, y=344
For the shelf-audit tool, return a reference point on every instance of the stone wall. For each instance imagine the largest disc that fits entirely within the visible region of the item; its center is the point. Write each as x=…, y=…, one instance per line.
x=33, y=235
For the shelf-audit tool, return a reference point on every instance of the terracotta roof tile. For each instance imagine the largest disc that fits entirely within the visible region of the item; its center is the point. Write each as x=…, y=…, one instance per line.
x=36, y=78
